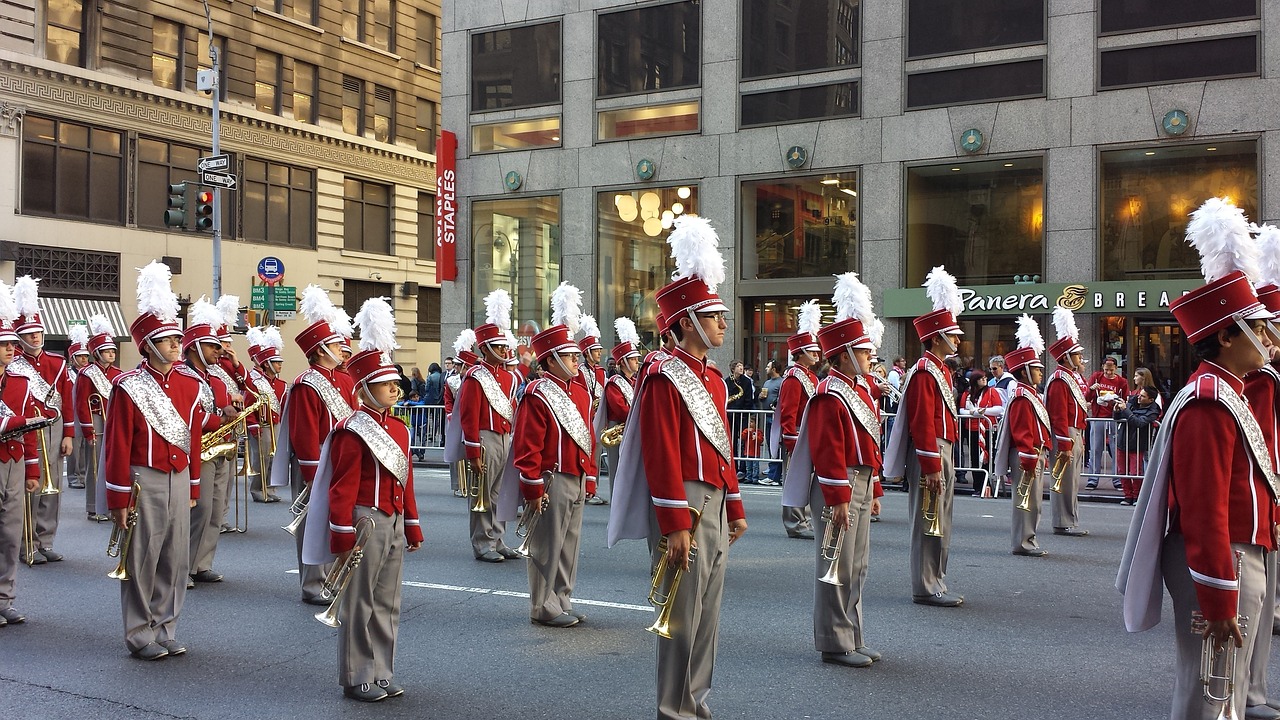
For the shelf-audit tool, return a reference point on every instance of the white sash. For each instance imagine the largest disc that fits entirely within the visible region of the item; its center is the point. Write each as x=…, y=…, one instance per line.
x=702, y=407
x=1074, y=385
x=866, y=416
x=39, y=388
x=263, y=386
x=498, y=399
x=381, y=445
x=565, y=411
x=895, y=456
x=1004, y=442
x=157, y=408
x=333, y=400
x=99, y=379
x=217, y=371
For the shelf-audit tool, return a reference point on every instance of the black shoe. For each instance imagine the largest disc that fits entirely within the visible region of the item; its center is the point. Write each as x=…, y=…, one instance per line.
x=150, y=651
x=12, y=617
x=940, y=599
x=875, y=518
x=95, y=517
x=225, y=529
x=390, y=688
x=1091, y=485
x=1033, y=552
x=173, y=647
x=190, y=583
x=75, y=485
x=1070, y=532
x=366, y=692
x=563, y=620
x=509, y=554
x=848, y=659
x=50, y=555
x=207, y=576
x=321, y=600
x=492, y=556
x=803, y=535
x=36, y=559
x=873, y=654
x=578, y=614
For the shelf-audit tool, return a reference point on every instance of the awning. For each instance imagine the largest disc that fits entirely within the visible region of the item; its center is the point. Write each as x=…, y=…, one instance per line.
x=59, y=313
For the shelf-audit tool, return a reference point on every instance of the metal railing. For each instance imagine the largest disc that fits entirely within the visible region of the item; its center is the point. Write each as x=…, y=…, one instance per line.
x=426, y=426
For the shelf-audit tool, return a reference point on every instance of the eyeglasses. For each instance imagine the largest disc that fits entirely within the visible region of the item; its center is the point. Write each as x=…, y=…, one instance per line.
x=717, y=317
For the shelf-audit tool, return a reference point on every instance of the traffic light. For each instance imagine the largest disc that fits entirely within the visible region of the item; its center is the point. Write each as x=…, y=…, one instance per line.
x=204, y=210
x=179, y=201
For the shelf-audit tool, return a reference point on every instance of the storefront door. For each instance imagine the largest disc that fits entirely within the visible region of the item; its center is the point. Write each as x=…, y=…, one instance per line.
x=1162, y=348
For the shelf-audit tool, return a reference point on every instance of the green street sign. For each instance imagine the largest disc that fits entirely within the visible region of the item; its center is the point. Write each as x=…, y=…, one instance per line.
x=284, y=298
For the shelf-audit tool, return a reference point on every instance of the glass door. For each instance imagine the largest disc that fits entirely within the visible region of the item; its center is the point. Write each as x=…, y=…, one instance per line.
x=1162, y=348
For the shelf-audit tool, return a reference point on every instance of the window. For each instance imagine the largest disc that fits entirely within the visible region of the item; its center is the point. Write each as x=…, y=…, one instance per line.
x=371, y=22
x=515, y=67
x=426, y=39
x=384, y=114
x=515, y=135
x=64, y=31
x=366, y=216
x=648, y=49
x=803, y=227
x=72, y=171
x=161, y=163
x=426, y=226
x=516, y=246
x=279, y=204
x=798, y=37
x=1235, y=56
x=634, y=258
x=352, y=106
x=944, y=27
x=304, y=92
x=70, y=272
x=425, y=131
x=203, y=62
x=428, y=314
x=1147, y=193
x=355, y=292
x=800, y=104
x=266, y=83
x=166, y=54
x=652, y=120
x=300, y=10
x=1129, y=15
x=976, y=84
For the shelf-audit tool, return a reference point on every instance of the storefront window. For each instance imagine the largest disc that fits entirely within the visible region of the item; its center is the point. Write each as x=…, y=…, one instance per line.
x=984, y=220
x=1147, y=194
x=635, y=261
x=766, y=325
x=516, y=246
x=803, y=227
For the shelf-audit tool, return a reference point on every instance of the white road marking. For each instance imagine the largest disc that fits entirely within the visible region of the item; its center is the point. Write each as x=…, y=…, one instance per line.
x=517, y=594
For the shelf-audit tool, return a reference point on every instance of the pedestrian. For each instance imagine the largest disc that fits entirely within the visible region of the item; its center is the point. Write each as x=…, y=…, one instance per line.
x=752, y=440
x=1137, y=422
x=742, y=397
x=406, y=385
x=417, y=383
x=769, y=394
x=1104, y=390
x=981, y=408
x=1002, y=381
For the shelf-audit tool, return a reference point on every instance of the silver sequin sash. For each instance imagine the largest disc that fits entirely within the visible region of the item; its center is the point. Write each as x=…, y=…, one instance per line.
x=805, y=381
x=624, y=385
x=1072, y=384
x=702, y=407
x=384, y=448
x=225, y=377
x=39, y=388
x=948, y=397
x=157, y=408
x=333, y=399
x=1252, y=434
x=566, y=413
x=100, y=381
x=1041, y=412
x=263, y=386
x=455, y=383
x=498, y=400
x=859, y=409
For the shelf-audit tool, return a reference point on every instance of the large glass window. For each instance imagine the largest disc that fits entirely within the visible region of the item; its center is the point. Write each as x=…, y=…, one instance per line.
x=646, y=121
x=799, y=104
x=649, y=49
x=301, y=10
x=516, y=246
x=1129, y=15
x=64, y=31
x=366, y=216
x=370, y=21
x=352, y=105
x=425, y=129
x=515, y=135
x=769, y=322
x=799, y=36
x=72, y=171
x=384, y=114
x=983, y=220
x=803, y=227
x=428, y=314
x=943, y=27
x=266, y=83
x=1147, y=194
x=355, y=292
x=1235, y=56
x=304, y=92
x=515, y=67
x=631, y=229
x=166, y=54
x=426, y=39
x=426, y=226
x=279, y=204
x=162, y=163
x=976, y=84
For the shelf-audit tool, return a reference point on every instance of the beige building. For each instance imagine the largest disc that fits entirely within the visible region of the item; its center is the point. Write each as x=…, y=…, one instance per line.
x=329, y=115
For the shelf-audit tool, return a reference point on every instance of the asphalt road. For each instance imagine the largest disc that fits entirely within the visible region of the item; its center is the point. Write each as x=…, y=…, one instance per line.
x=1036, y=638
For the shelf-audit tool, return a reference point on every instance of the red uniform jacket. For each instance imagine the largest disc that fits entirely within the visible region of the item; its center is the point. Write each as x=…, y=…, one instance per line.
x=1029, y=435
x=130, y=441
x=278, y=387
x=541, y=444
x=928, y=418
x=15, y=393
x=474, y=409
x=359, y=479
x=238, y=372
x=309, y=419
x=53, y=368
x=792, y=398
x=1217, y=493
x=1262, y=389
x=675, y=451
x=449, y=399
x=221, y=398
x=616, y=405
x=89, y=403
x=837, y=442
x=1065, y=414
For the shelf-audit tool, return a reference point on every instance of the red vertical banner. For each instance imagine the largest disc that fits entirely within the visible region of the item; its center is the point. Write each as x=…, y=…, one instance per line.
x=446, y=206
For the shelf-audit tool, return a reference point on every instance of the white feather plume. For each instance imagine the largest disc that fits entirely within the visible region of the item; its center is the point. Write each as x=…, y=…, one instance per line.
x=1064, y=323
x=1268, y=254
x=875, y=332
x=255, y=337
x=8, y=310
x=26, y=294
x=340, y=321
x=852, y=299
x=587, y=324
x=1220, y=233
x=511, y=343
x=155, y=293
x=696, y=249
x=271, y=338
x=78, y=335
x=809, y=317
x=229, y=306
x=466, y=340
x=1029, y=334
x=315, y=305
x=497, y=308
x=625, y=328
x=99, y=325
x=377, y=326
x=943, y=291
x=203, y=312
x=566, y=307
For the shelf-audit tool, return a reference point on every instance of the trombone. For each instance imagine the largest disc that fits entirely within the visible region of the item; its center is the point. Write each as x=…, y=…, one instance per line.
x=666, y=575
x=528, y=521
x=121, y=539
x=832, y=542
x=299, y=510
x=1059, y=471
x=477, y=484
x=50, y=486
x=340, y=576
x=1211, y=655
x=28, y=529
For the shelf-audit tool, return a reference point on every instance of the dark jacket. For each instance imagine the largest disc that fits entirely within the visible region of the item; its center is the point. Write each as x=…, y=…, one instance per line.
x=432, y=391
x=1140, y=425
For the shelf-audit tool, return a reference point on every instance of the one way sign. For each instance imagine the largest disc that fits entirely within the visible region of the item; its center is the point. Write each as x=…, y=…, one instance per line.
x=226, y=181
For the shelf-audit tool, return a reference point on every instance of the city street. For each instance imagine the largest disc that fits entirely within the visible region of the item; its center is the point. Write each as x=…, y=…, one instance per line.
x=1034, y=639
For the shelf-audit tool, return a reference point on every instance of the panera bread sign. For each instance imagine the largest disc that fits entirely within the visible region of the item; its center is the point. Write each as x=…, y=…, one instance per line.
x=1106, y=298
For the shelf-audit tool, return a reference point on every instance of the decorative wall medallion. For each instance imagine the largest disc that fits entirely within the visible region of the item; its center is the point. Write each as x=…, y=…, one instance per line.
x=646, y=169
x=1175, y=122
x=971, y=140
x=513, y=181
x=797, y=157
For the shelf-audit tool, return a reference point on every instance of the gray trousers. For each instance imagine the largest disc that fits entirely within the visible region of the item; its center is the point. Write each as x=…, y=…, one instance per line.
x=13, y=492
x=75, y=461
x=486, y=529
x=929, y=554
x=686, y=661
x=837, y=609
x=91, y=469
x=612, y=455
x=1188, y=699
x=47, y=506
x=310, y=577
x=215, y=480
x=370, y=611
x=260, y=458
x=151, y=599
x=455, y=475
x=1066, y=504
x=553, y=548
x=1025, y=521
x=794, y=520
x=1262, y=641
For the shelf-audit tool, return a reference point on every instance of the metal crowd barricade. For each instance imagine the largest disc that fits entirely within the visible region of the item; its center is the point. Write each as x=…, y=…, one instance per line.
x=1112, y=455
x=751, y=451
x=426, y=426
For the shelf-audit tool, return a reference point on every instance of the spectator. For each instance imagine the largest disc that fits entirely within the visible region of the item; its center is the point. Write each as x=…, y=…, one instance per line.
x=740, y=387
x=981, y=407
x=1139, y=419
x=1142, y=378
x=752, y=441
x=406, y=385
x=1105, y=389
x=1002, y=381
x=897, y=373
x=769, y=401
x=432, y=387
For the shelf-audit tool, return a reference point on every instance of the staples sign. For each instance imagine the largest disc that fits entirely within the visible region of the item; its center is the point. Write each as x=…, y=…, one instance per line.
x=446, y=206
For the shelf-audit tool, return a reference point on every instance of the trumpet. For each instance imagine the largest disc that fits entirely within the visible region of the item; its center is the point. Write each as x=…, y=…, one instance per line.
x=832, y=541
x=612, y=437
x=299, y=510
x=340, y=576
x=118, y=544
x=1059, y=471
x=528, y=521
x=1024, y=486
x=668, y=576
x=477, y=484
x=892, y=393
x=50, y=486
x=929, y=510
x=1211, y=655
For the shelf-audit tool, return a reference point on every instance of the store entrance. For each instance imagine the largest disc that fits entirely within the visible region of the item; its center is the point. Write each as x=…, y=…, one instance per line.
x=1162, y=348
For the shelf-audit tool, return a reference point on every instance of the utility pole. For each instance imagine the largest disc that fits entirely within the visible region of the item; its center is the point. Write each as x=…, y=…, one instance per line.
x=216, y=62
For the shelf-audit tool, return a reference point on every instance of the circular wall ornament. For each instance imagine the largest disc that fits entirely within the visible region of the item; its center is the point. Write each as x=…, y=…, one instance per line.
x=797, y=157
x=971, y=140
x=513, y=181
x=1175, y=122
x=646, y=169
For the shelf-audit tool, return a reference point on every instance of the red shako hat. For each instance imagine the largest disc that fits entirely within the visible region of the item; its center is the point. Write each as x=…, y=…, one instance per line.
x=628, y=339
x=1030, y=346
x=1229, y=263
x=943, y=292
x=157, y=305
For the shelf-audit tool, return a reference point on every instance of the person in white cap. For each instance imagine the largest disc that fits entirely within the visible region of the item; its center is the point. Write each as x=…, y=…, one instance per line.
x=454, y=452
x=266, y=351
x=799, y=383
x=592, y=374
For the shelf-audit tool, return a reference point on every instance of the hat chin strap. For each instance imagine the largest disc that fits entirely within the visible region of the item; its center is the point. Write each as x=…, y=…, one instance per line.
x=857, y=366
x=368, y=395
x=560, y=362
x=698, y=326
x=31, y=349
x=327, y=351
x=952, y=348
x=1253, y=338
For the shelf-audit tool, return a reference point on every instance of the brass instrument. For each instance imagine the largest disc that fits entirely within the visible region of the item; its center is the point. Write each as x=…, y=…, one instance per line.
x=264, y=467
x=832, y=541
x=477, y=484
x=50, y=486
x=299, y=510
x=1059, y=471
x=28, y=529
x=121, y=539
x=221, y=443
x=668, y=576
x=893, y=394
x=929, y=502
x=1211, y=655
x=1024, y=486
x=734, y=397
x=340, y=576
x=528, y=521
x=612, y=437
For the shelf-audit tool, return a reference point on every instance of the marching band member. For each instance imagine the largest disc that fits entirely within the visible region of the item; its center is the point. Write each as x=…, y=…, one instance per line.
x=486, y=409
x=677, y=456
x=51, y=385
x=365, y=472
x=1208, y=503
x=454, y=451
x=93, y=390
x=235, y=376
x=266, y=349
x=667, y=343
x=151, y=438
x=78, y=355
x=19, y=462
x=1065, y=401
x=619, y=390
x=838, y=446
x=798, y=385
x=593, y=378
x=321, y=397
x=553, y=450
x=1024, y=437
x=921, y=440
